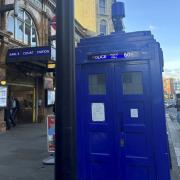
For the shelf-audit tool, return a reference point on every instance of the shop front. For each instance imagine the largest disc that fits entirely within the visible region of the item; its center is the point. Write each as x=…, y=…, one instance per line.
x=27, y=74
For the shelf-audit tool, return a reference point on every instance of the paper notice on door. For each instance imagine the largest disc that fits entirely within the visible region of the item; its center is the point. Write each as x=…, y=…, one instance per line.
x=134, y=113
x=98, y=112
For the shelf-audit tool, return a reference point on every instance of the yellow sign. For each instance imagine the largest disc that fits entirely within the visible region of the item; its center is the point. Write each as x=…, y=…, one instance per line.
x=51, y=66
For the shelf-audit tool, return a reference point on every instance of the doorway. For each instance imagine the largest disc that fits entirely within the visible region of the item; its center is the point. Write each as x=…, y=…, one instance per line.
x=25, y=94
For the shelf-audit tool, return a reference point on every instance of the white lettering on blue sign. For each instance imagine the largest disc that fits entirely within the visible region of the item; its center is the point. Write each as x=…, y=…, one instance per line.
x=100, y=57
x=127, y=54
x=44, y=51
x=26, y=53
x=12, y=54
x=114, y=55
x=30, y=52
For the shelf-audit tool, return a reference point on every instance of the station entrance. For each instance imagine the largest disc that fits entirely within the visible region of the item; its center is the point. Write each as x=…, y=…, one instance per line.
x=25, y=73
x=25, y=94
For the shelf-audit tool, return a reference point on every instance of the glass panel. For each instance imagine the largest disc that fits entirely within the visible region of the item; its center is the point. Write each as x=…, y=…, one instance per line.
x=21, y=14
x=27, y=36
x=34, y=38
x=102, y=6
x=132, y=83
x=10, y=26
x=19, y=30
x=27, y=19
x=24, y=29
x=97, y=84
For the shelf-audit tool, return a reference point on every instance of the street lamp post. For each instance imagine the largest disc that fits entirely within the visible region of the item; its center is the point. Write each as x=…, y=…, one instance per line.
x=65, y=157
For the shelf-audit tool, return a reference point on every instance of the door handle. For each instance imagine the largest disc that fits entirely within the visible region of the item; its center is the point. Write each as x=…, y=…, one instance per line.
x=122, y=143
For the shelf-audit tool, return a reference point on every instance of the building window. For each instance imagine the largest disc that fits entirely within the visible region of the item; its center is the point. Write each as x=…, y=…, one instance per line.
x=103, y=27
x=102, y=6
x=22, y=28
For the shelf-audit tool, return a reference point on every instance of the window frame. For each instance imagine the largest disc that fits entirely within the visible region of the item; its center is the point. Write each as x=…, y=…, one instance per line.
x=97, y=88
x=102, y=7
x=31, y=25
x=105, y=25
x=138, y=90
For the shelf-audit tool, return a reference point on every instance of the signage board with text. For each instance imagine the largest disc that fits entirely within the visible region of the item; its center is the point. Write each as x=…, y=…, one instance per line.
x=44, y=53
x=3, y=96
x=51, y=133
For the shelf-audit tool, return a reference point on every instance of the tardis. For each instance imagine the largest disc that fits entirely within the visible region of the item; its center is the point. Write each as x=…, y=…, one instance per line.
x=120, y=111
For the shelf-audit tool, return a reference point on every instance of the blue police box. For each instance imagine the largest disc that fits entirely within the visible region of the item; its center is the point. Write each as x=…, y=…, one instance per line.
x=120, y=111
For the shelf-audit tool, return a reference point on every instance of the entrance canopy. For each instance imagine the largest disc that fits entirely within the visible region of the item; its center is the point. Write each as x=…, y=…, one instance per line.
x=33, y=58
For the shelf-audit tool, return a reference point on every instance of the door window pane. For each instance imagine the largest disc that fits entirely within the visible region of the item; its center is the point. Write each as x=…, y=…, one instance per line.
x=132, y=83
x=97, y=84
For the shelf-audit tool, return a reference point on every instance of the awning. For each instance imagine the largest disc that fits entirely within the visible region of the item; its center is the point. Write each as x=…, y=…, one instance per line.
x=33, y=58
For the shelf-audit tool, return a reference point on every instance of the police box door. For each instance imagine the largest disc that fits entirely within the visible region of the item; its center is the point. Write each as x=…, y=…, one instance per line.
x=134, y=138
x=115, y=125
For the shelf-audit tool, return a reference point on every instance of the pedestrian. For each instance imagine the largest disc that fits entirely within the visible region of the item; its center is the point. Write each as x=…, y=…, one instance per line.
x=7, y=118
x=14, y=110
x=7, y=114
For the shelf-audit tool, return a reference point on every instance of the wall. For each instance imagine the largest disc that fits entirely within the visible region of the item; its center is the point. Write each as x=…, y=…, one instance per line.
x=41, y=19
x=106, y=16
x=85, y=13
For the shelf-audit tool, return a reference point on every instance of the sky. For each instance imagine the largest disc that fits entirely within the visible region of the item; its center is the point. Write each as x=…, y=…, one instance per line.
x=162, y=17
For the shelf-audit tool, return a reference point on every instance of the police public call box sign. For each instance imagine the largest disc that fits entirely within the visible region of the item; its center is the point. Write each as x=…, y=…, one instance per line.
x=32, y=53
x=113, y=55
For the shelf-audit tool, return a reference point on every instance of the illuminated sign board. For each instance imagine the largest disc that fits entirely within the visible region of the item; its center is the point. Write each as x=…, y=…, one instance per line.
x=113, y=56
x=36, y=53
x=3, y=96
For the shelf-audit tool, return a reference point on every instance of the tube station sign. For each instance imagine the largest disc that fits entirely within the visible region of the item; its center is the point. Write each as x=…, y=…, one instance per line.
x=44, y=53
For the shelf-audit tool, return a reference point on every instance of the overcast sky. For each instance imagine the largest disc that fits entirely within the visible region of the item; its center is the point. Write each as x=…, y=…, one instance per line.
x=162, y=17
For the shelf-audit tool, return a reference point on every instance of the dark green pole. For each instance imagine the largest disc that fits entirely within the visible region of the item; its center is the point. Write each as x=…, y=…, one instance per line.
x=65, y=156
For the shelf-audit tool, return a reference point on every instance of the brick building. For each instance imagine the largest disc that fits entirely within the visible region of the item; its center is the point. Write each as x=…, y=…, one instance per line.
x=27, y=81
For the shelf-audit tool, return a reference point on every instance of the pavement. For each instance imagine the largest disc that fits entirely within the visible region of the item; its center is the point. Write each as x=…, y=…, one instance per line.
x=22, y=150
x=24, y=147
x=174, y=142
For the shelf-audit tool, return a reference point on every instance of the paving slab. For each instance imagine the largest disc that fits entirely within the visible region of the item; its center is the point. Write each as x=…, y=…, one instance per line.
x=174, y=142
x=22, y=150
